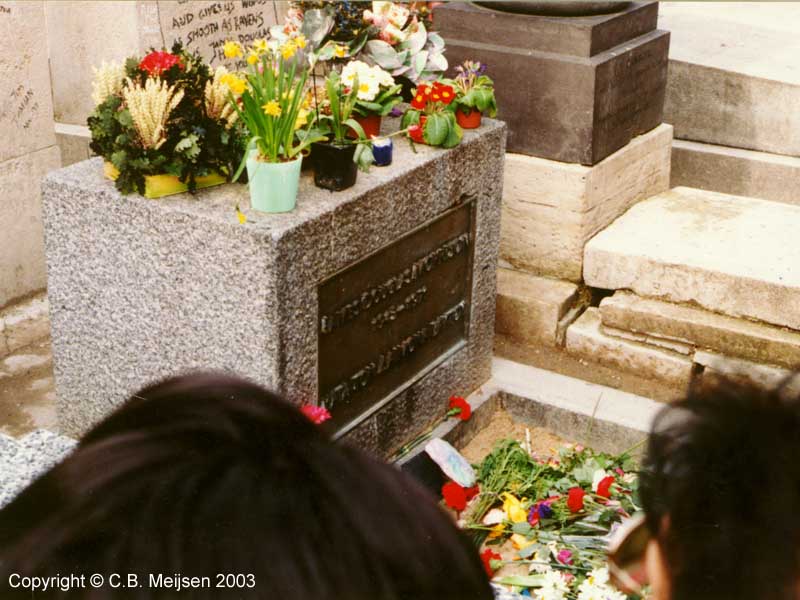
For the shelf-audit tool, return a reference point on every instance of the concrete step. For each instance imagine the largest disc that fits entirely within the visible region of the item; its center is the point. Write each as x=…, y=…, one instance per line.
x=733, y=73
x=23, y=459
x=729, y=254
x=736, y=171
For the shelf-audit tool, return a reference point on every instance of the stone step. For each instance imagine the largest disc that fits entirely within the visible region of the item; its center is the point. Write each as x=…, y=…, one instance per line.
x=702, y=329
x=733, y=73
x=22, y=460
x=729, y=254
x=736, y=171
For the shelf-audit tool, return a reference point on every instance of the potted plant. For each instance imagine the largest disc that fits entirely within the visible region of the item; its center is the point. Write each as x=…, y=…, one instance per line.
x=431, y=119
x=474, y=94
x=336, y=160
x=376, y=96
x=274, y=108
x=163, y=124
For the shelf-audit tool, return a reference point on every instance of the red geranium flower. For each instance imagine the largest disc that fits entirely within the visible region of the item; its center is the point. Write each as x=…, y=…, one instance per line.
x=157, y=62
x=456, y=497
x=604, y=487
x=317, y=414
x=458, y=403
x=575, y=499
x=487, y=556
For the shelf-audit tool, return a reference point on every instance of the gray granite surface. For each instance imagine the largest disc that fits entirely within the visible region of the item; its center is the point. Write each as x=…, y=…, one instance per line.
x=142, y=289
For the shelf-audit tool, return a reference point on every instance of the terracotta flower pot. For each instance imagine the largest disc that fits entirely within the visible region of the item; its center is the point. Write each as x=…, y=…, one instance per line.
x=334, y=168
x=468, y=121
x=371, y=124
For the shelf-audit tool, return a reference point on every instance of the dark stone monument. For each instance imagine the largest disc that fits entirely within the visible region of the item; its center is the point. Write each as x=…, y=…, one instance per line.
x=573, y=89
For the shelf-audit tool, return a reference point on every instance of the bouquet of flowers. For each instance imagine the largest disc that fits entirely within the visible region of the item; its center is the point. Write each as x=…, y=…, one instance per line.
x=166, y=114
x=431, y=119
x=544, y=523
x=474, y=94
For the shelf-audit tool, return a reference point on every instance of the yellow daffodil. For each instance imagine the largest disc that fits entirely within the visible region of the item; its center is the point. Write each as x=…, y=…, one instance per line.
x=260, y=46
x=514, y=509
x=232, y=49
x=288, y=50
x=300, y=41
x=252, y=58
x=236, y=85
x=519, y=541
x=302, y=118
x=272, y=109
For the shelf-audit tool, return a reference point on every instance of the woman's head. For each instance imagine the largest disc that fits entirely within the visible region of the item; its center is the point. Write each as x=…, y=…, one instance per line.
x=721, y=491
x=210, y=474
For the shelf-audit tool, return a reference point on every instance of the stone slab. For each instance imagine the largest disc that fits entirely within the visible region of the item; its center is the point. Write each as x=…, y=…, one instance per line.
x=23, y=324
x=586, y=340
x=73, y=142
x=733, y=337
x=649, y=340
x=26, y=108
x=551, y=209
x=728, y=254
x=22, y=266
x=530, y=308
x=576, y=109
x=142, y=289
x=768, y=376
x=736, y=171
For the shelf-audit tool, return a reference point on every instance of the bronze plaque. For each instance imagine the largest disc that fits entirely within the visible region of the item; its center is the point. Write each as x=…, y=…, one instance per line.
x=389, y=318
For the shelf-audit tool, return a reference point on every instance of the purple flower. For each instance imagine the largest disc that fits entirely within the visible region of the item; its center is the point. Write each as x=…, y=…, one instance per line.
x=396, y=112
x=545, y=511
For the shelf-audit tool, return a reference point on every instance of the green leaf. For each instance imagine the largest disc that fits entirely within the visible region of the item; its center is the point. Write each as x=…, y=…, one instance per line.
x=436, y=129
x=521, y=580
x=363, y=157
x=410, y=117
x=454, y=134
x=383, y=54
x=522, y=528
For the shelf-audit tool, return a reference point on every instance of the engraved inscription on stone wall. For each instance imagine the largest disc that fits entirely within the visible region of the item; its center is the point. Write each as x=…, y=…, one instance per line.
x=387, y=318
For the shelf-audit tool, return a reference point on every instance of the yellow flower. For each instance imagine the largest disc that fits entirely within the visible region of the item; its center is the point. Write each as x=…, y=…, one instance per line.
x=288, y=50
x=272, y=109
x=300, y=41
x=236, y=85
x=241, y=216
x=302, y=118
x=513, y=507
x=232, y=49
x=497, y=531
x=519, y=541
x=260, y=46
x=340, y=51
x=252, y=58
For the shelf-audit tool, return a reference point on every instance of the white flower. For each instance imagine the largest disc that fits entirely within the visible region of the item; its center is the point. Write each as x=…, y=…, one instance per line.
x=494, y=516
x=599, y=475
x=554, y=587
x=595, y=587
x=540, y=562
x=368, y=89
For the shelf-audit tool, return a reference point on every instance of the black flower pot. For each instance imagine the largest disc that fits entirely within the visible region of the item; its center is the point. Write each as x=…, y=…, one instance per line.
x=334, y=168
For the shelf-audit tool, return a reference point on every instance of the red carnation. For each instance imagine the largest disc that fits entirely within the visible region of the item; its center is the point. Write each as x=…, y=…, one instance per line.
x=456, y=497
x=487, y=556
x=317, y=414
x=462, y=406
x=575, y=499
x=604, y=487
x=157, y=62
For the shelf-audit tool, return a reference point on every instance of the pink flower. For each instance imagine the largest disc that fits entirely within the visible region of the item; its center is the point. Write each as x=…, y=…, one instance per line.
x=317, y=414
x=564, y=557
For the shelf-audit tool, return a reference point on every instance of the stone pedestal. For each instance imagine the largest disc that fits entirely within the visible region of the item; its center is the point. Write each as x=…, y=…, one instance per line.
x=571, y=89
x=378, y=301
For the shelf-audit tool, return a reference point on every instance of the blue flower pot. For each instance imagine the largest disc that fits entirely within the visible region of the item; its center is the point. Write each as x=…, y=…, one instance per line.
x=273, y=186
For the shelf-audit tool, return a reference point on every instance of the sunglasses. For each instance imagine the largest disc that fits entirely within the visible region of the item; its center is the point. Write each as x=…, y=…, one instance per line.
x=626, y=555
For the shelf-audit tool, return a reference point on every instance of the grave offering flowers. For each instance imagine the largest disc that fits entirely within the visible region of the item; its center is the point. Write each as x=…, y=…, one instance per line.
x=474, y=94
x=543, y=523
x=274, y=107
x=376, y=96
x=431, y=119
x=163, y=125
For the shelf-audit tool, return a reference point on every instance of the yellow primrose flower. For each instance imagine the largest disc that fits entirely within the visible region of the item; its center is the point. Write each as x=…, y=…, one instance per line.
x=340, y=51
x=232, y=49
x=300, y=41
x=252, y=58
x=260, y=46
x=519, y=541
x=302, y=118
x=272, y=109
x=288, y=50
x=514, y=509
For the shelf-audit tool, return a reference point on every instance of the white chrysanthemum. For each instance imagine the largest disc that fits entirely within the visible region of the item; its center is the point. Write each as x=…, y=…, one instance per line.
x=217, y=101
x=107, y=81
x=150, y=107
x=554, y=587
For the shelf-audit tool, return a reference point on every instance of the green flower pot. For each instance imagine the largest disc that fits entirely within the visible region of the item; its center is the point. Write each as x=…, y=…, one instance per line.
x=273, y=186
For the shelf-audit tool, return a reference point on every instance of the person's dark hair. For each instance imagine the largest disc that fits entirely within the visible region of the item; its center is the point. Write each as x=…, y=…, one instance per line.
x=721, y=491
x=201, y=475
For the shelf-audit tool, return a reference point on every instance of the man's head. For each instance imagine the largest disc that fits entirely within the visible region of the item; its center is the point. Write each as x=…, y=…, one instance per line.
x=721, y=490
x=208, y=474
